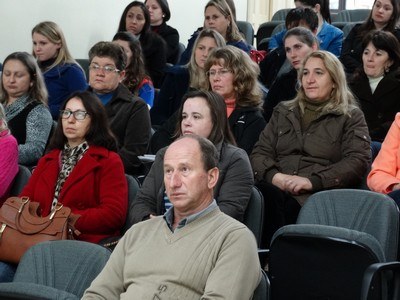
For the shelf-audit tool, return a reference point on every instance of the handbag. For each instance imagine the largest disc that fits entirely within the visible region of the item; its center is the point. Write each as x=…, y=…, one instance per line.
x=21, y=227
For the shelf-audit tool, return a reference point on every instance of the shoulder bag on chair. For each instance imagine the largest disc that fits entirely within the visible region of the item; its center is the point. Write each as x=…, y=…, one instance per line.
x=21, y=227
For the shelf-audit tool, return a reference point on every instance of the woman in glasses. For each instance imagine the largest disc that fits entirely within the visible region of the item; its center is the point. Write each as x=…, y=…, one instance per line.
x=81, y=171
x=62, y=74
x=233, y=75
x=24, y=97
x=128, y=115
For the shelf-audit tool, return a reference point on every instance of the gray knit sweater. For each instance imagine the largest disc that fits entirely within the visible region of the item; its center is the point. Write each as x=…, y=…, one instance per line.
x=38, y=126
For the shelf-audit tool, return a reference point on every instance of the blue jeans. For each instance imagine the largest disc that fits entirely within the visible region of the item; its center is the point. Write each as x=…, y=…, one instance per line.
x=375, y=148
x=7, y=271
x=395, y=195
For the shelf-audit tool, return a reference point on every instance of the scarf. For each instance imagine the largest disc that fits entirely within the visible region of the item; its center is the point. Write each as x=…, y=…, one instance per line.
x=69, y=158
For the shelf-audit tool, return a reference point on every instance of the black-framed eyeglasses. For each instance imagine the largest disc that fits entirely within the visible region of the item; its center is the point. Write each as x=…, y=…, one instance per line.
x=78, y=114
x=107, y=69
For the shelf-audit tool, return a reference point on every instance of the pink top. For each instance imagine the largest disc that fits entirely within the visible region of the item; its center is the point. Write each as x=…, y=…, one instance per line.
x=8, y=163
x=385, y=172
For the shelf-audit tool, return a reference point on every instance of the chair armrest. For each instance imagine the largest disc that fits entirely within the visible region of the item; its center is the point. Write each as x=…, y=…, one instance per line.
x=381, y=278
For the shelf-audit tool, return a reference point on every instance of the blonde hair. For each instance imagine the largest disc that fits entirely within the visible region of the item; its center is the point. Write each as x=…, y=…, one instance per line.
x=54, y=34
x=197, y=75
x=341, y=99
x=245, y=74
x=232, y=33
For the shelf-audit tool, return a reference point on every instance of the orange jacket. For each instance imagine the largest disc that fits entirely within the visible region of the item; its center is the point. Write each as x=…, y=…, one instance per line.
x=385, y=172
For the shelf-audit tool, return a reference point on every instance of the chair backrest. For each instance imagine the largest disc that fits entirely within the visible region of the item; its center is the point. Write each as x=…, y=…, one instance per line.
x=347, y=28
x=133, y=187
x=263, y=289
x=254, y=214
x=84, y=63
x=361, y=210
x=353, y=15
x=280, y=15
x=248, y=31
x=182, y=48
x=320, y=262
x=20, y=180
x=265, y=30
x=65, y=265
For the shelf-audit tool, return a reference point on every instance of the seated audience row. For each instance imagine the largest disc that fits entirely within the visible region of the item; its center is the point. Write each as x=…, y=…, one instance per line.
x=232, y=74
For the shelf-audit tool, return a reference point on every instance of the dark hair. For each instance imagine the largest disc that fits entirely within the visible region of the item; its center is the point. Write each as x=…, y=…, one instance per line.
x=146, y=26
x=135, y=71
x=324, y=7
x=37, y=91
x=386, y=41
x=296, y=16
x=209, y=153
x=99, y=133
x=303, y=34
x=111, y=50
x=165, y=9
x=221, y=131
x=369, y=25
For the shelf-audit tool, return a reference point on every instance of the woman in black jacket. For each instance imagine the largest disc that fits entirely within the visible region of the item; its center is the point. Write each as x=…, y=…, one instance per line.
x=159, y=16
x=377, y=83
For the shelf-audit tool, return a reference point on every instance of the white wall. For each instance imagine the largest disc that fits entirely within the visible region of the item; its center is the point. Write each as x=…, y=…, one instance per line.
x=85, y=22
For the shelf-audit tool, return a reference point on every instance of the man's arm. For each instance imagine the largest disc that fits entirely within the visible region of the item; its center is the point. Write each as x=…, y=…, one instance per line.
x=237, y=271
x=109, y=284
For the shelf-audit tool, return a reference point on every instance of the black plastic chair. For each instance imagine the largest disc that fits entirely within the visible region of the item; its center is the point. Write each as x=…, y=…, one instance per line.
x=254, y=214
x=20, y=180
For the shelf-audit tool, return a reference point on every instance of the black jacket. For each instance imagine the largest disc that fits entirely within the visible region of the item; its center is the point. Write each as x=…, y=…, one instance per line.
x=171, y=38
x=130, y=122
x=380, y=107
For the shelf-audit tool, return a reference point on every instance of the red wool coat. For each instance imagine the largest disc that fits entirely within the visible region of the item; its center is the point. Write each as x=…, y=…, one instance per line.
x=96, y=190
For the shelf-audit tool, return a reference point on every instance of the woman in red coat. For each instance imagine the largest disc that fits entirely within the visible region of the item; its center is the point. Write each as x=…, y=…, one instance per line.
x=82, y=171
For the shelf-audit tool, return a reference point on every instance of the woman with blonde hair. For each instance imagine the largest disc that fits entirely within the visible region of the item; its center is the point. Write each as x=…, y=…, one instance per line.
x=232, y=74
x=317, y=141
x=8, y=157
x=62, y=74
x=218, y=16
x=180, y=79
x=24, y=96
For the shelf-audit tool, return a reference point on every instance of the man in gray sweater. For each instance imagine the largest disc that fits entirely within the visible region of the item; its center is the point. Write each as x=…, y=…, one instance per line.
x=194, y=251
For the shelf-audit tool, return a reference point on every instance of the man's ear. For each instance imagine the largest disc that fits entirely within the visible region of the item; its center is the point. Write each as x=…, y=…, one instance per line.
x=213, y=175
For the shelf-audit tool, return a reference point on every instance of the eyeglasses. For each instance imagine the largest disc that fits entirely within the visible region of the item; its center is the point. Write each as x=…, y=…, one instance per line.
x=221, y=72
x=106, y=69
x=78, y=114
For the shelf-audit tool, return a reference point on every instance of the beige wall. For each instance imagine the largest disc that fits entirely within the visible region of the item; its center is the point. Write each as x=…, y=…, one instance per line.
x=260, y=11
